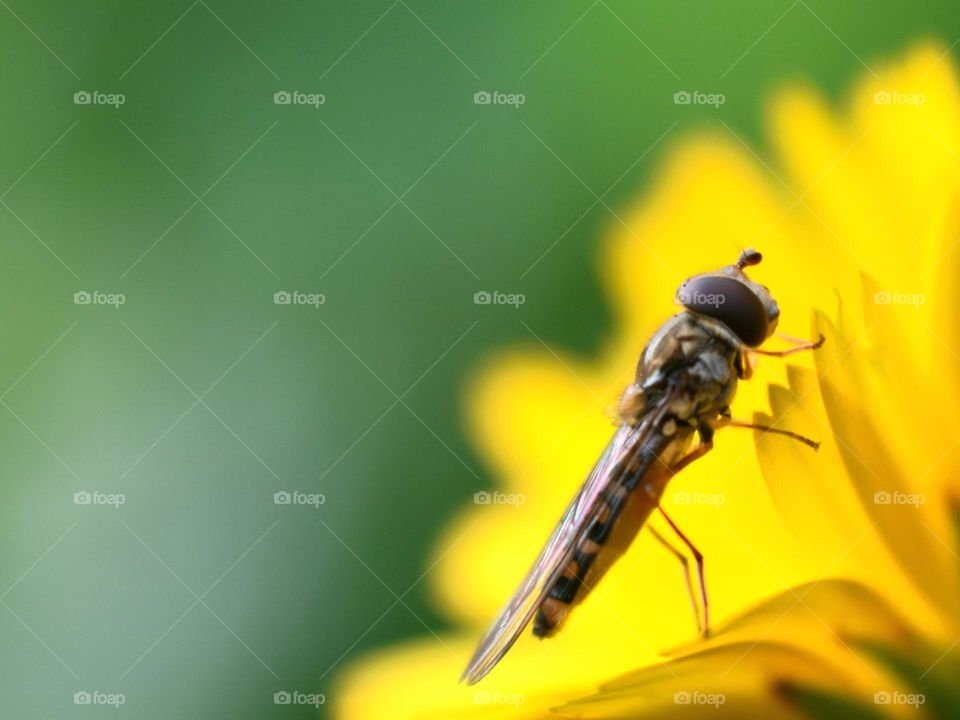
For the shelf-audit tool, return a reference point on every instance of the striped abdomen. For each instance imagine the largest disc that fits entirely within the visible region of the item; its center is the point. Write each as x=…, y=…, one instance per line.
x=627, y=503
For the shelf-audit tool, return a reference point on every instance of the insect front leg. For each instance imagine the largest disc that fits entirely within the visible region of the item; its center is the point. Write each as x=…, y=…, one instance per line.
x=800, y=345
x=698, y=556
x=727, y=421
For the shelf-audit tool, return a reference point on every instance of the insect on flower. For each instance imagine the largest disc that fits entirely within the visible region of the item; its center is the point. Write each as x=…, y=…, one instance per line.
x=686, y=378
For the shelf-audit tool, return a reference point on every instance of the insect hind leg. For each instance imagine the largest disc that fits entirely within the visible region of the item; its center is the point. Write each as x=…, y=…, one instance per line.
x=687, y=579
x=698, y=557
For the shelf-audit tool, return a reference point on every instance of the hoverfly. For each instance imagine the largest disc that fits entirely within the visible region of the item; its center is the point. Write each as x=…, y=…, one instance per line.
x=686, y=378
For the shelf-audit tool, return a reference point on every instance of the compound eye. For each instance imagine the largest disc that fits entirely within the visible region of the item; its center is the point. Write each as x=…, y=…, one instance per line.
x=731, y=302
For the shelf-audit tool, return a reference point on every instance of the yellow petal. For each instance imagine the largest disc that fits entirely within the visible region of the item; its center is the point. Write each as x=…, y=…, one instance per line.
x=733, y=681
x=877, y=474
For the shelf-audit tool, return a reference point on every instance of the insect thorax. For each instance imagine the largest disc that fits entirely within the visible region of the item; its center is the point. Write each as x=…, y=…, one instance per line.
x=695, y=355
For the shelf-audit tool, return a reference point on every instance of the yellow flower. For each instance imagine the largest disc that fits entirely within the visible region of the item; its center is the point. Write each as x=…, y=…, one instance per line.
x=834, y=575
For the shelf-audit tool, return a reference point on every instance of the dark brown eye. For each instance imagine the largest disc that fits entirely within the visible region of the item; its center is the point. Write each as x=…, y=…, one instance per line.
x=729, y=301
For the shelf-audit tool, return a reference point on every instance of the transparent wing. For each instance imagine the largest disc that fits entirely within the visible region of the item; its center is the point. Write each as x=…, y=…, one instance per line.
x=555, y=555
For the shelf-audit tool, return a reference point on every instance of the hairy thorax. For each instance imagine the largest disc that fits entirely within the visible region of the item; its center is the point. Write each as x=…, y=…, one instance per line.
x=697, y=360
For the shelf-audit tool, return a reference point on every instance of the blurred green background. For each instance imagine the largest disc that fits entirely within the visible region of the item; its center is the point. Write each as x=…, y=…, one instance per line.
x=397, y=199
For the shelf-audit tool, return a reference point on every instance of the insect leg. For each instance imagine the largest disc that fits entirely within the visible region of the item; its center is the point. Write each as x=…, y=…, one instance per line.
x=783, y=353
x=686, y=575
x=730, y=422
x=698, y=556
x=792, y=339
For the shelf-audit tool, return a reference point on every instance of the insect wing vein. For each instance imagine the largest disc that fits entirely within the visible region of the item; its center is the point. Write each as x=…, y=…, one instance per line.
x=576, y=520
